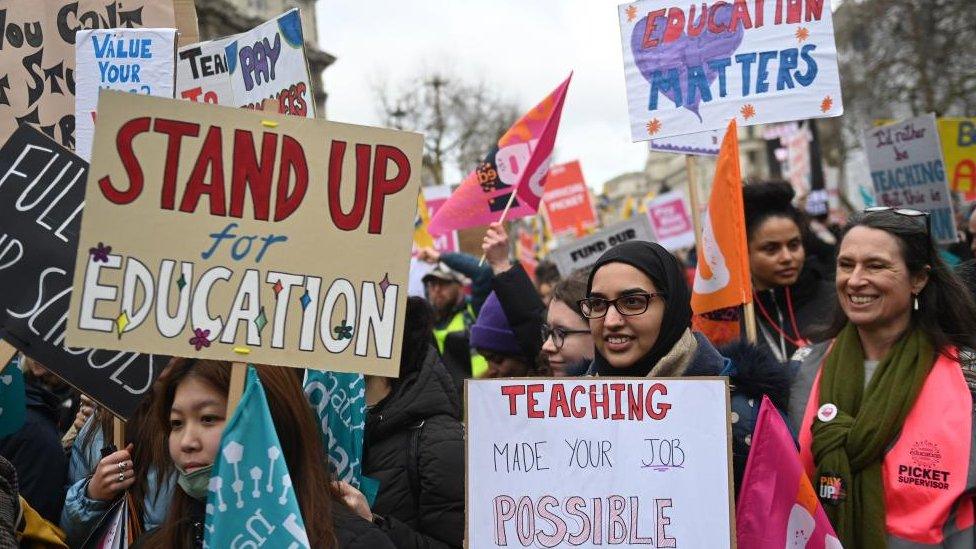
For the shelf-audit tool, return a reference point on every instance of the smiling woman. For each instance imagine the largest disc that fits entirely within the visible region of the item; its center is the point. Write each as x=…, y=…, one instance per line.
x=883, y=408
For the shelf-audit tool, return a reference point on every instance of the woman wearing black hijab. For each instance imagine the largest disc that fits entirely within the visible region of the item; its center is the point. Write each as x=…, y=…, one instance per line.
x=639, y=308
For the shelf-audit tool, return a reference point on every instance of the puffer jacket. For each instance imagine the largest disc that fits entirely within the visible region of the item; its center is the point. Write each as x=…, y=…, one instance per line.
x=414, y=447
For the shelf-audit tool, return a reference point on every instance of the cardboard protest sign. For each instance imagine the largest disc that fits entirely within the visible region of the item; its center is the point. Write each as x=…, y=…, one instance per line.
x=269, y=62
x=227, y=234
x=907, y=171
x=42, y=193
x=958, y=137
x=589, y=462
x=37, y=56
x=132, y=60
x=670, y=217
x=585, y=251
x=201, y=73
x=689, y=69
x=566, y=200
x=701, y=144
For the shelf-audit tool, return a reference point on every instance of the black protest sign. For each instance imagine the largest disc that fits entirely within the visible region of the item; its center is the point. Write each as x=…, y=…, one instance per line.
x=42, y=193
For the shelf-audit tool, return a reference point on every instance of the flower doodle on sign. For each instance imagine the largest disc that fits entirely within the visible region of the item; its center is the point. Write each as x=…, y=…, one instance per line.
x=342, y=331
x=200, y=338
x=100, y=253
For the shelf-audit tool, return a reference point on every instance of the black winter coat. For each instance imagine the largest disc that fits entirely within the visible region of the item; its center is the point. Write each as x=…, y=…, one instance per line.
x=414, y=447
x=813, y=299
x=35, y=451
x=523, y=309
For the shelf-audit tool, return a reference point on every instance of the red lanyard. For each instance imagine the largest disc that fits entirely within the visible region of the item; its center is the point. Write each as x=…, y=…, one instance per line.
x=800, y=341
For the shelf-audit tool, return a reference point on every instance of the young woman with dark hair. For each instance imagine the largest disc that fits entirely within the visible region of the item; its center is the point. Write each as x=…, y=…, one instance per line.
x=883, y=410
x=792, y=297
x=189, y=409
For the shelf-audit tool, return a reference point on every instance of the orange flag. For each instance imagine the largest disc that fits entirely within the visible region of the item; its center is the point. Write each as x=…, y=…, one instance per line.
x=722, y=278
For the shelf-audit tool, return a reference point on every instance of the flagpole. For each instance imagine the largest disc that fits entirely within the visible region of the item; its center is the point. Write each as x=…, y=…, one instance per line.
x=511, y=199
x=238, y=374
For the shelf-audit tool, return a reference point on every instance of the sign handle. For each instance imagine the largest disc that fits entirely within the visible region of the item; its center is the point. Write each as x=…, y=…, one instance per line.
x=511, y=199
x=238, y=374
x=694, y=198
x=749, y=317
x=118, y=432
x=7, y=353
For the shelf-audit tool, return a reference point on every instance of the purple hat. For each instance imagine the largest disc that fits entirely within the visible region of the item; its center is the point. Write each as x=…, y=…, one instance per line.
x=492, y=332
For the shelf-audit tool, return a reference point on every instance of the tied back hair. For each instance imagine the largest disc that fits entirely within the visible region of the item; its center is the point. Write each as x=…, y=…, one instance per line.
x=767, y=199
x=946, y=311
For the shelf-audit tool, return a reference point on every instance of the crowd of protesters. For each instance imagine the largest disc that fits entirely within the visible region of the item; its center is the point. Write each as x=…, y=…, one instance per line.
x=868, y=319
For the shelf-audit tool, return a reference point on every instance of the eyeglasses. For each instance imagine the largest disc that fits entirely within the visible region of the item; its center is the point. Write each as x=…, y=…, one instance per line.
x=906, y=212
x=627, y=305
x=558, y=335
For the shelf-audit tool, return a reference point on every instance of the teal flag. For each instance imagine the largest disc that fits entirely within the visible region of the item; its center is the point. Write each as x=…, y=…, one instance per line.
x=339, y=401
x=12, y=402
x=251, y=501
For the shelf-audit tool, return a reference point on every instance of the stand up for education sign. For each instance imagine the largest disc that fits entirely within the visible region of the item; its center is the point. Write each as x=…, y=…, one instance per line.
x=594, y=462
x=228, y=234
x=693, y=66
x=42, y=193
x=907, y=171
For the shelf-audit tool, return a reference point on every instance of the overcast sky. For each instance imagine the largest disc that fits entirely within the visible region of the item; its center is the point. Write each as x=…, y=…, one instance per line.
x=526, y=48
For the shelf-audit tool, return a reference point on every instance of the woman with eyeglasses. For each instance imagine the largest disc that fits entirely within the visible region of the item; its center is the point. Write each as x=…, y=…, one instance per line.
x=885, y=416
x=555, y=336
x=792, y=298
x=639, y=311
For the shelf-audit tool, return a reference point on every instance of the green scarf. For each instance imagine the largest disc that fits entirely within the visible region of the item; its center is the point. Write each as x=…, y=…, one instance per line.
x=851, y=446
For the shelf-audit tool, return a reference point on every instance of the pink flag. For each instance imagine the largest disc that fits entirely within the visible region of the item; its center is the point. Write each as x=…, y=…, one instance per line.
x=518, y=164
x=777, y=506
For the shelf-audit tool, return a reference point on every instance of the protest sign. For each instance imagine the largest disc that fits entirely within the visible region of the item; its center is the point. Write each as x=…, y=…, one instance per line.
x=37, y=56
x=435, y=197
x=268, y=61
x=701, y=144
x=201, y=73
x=275, y=238
x=585, y=251
x=588, y=462
x=132, y=60
x=525, y=252
x=42, y=192
x=958, y=137
x=907, y=171
x=566, y=200
x=671, y=221
x=755, y=61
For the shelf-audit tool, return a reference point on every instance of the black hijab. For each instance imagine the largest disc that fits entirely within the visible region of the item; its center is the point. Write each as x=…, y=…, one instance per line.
x=667, y=274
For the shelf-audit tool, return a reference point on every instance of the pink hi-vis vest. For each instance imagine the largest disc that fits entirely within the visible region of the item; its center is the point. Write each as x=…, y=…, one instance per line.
x=925, y=471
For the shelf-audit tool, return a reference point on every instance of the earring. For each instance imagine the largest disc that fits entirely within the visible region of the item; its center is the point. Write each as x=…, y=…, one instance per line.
x=915, y=299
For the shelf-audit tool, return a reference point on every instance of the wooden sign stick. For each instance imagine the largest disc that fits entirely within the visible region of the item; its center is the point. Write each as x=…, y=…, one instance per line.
x=238, y=374
x=7, y=353
x=118, y=432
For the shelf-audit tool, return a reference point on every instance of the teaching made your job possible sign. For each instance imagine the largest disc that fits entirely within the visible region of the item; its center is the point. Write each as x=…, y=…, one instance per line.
x=692, y=66
x=601, y=461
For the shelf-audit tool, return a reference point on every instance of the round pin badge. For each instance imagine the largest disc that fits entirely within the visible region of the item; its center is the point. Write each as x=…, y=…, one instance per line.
x=827, y=412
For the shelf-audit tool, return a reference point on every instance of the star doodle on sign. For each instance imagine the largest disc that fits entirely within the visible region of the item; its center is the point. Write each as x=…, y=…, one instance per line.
x=826, y=104
x=305, y=299
x=631, y=13
x=261, y=320
x=181, y=282
x=385, y=283
x=121, y=322
x=200, y=338
x=100, y=253
x=653, y=126
x=748, y=111
x=342, y=331
x=802, y=34
x=277, y=288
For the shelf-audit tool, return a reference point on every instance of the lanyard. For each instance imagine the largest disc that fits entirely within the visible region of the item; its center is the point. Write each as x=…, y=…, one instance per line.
x=800, y=341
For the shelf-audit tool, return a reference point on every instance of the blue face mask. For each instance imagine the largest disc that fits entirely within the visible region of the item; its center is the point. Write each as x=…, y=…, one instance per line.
x=195, y=484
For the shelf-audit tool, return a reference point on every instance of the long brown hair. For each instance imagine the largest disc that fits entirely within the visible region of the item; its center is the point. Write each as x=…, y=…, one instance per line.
x=300, y=437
